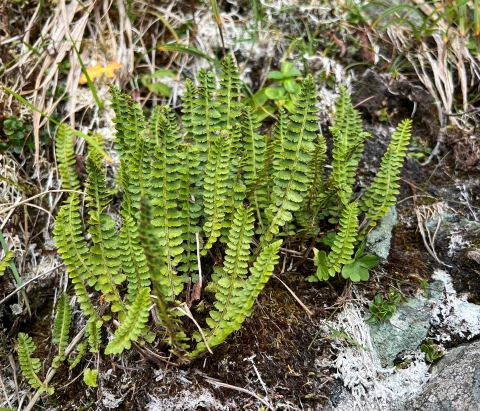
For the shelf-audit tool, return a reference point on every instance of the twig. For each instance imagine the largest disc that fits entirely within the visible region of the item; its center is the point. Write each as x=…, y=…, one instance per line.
x=222, y=384
x=38, y=195
x=296, y=298
x=28, y=282
x=52, y=371
x=189, y=315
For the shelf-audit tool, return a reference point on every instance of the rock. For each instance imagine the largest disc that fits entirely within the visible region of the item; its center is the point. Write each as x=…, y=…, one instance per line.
x=378, y=240
x=456, y=384
x=404, y=332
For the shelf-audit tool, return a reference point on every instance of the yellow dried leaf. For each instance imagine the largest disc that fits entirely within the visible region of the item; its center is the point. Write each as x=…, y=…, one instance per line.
x=98, y=71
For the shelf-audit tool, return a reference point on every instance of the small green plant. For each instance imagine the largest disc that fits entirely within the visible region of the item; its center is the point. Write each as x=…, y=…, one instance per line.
x=432, y=351
x=283, y=95
x=382, y=309
x=16, y=132
x=156, y=86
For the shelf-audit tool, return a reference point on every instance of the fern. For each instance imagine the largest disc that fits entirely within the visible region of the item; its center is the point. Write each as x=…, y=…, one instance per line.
x=65, y=155
x=347, y=146
x=164, y=190
x=343, y=245
x=381, y=194
x=5, y=262
x=74, y=251
x=228, y=94
x=206, y=115
x=160, y=282
x=235, y=298
x=217, y=174
x=132, y=327
x=105, y=259
x=30, y=366
x=291, y=167
x=61, y=328
x=191, y=209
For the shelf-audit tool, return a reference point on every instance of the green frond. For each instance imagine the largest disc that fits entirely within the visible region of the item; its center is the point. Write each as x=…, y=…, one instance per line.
x=5, y=262
x=316, y=171
x=191, y=210
x=291, y=166
x=238, y=244
x=30, y=366
x=235, y=298
x=235, y=184
x=134, y=324
x=65, y=154
x=217, y=175
x=81, y=348
x=343, y=245
x=348, y=141
x=163, y=285
x=73, y=249
x=105, y=259
x=189, y=97
x=61, y=328
x=255, y=160
x=134, y=264
x=229, y=93
x=164, y=192
x=381, y=194
x=93, y=334
x=206, y=115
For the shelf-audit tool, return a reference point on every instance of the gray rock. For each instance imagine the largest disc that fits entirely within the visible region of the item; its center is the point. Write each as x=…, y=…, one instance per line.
x=378, y=240
x=456, y=384
x=404, y=332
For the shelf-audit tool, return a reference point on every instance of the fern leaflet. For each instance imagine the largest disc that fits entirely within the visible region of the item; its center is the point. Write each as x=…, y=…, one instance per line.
x=61, y=328
x=65, y=155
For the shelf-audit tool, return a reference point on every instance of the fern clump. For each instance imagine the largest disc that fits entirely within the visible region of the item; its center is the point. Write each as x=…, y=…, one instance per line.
x=209, y=200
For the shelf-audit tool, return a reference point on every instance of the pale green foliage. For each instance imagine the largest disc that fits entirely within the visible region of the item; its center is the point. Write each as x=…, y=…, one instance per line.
x=90, y=377
x=61, y=327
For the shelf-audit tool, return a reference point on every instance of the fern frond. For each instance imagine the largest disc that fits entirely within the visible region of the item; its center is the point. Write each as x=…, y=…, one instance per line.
x=235, y=184
x=255, y=160
x=164, y=191
x=291, y=167
x=65, y=154
x=5, y=262
x=236, y=297
x=30, y=366
x=105, y=259
x=217, y=175
x=348, y=140
x=343, y=245
x=94, y=338
x=315, y=171
x=191, y=209
x=81, y=348
x=160, y=282
x=134, y=324
x=381, y=194
x=72, y=247
x=206, y=115
x=61, y=328
x=229, y=93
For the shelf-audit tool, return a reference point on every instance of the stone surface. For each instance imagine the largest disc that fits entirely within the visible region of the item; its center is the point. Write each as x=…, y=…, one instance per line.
x=456, y=384
x=378, y=240
x=405, y=331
